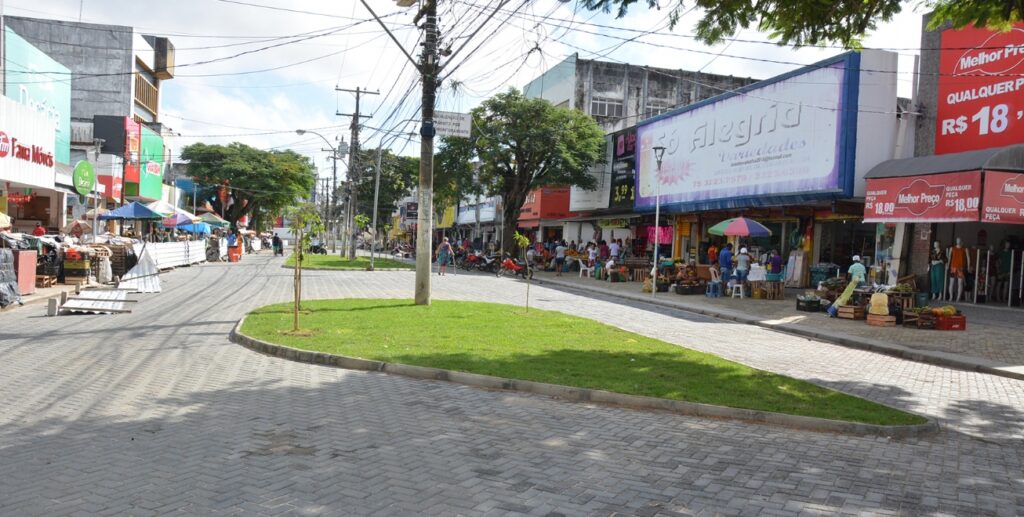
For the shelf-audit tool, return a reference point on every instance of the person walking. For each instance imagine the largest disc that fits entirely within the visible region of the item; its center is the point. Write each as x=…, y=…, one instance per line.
x=444, y=252
x=725, y=262
x=559, y=258
x=276, y=244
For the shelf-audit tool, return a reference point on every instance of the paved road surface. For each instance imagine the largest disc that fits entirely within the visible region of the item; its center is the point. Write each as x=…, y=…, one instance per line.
x=157, y=412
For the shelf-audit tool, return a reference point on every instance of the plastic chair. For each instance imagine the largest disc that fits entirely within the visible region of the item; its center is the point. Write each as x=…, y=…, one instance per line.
x=737, y=289
x=714, y=287
x=585, y=269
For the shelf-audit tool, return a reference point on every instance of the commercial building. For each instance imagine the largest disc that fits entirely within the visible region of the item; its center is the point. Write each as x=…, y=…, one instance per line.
x=966, y=181
x=113, y=71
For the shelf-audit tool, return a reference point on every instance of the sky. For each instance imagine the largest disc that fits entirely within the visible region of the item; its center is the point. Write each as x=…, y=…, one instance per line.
x=274, y=66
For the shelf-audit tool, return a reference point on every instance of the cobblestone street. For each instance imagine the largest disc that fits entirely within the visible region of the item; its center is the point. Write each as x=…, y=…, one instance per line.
x=157, y=412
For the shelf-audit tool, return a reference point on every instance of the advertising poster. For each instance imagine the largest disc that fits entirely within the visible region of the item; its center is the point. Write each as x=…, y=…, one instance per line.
x=133, y=148
x=1004, y=198
x=36, y=80
x=936, y=198
x=623, y=180
x=26, y=146
x=151, y=162
x=784, y=137
x=981, y=90
x=581, y=200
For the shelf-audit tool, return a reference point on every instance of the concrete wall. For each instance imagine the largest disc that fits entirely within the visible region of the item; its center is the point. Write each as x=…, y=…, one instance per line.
x=643, y=89
x=100, y=59
x=928, y=89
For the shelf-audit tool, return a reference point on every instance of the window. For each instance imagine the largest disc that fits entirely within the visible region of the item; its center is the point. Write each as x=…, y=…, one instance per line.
x=606, y=107
x=653, y=110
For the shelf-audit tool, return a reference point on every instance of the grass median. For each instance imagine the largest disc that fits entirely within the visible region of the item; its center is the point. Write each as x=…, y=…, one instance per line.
x=329, y=261
x=552, y=347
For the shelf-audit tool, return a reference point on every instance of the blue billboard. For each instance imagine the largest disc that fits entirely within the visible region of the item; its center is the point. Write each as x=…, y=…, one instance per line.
x=41, y=83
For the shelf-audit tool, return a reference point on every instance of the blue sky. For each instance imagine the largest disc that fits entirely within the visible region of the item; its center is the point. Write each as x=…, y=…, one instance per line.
x=328, y=46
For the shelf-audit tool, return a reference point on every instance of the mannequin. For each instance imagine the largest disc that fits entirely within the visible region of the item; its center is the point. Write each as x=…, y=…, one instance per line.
x=959, y=263
x=936, y=270
x=1002, y=291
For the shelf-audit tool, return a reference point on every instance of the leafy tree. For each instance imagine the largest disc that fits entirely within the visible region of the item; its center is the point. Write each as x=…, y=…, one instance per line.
x=454, y=173
x=525, y=144
x=815, y=22
x=255, y=182
x=305, y=222
x=398, y=176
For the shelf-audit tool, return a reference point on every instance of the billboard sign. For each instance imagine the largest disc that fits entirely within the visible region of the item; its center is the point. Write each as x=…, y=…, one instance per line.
x=981, y=89
x=1004, y=198
x=26, y=145
x=582, y=200
x=622, y=194
x=935, y=198
x=792, y=135
x=36, y=80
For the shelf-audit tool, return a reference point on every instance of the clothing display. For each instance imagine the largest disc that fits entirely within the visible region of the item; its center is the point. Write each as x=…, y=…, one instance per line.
x=958, y=258
x=936, y=272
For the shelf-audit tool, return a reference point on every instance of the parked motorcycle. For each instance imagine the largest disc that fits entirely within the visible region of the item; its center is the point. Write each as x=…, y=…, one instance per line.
x=514, y=267
x=471, y=261
x=317, y=249
x=489, y=264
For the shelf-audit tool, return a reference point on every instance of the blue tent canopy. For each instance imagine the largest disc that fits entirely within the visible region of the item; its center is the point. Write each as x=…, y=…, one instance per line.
x=199, y=228
x=133, y=210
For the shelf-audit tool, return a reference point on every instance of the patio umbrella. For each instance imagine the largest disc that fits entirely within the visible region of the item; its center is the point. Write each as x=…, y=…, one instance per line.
x=80, y=226
x=131, y=211
x=176, y=220
x=161, y=207
x=740, y=227
x=200, y=228
x=92, y=212
x=212, y=219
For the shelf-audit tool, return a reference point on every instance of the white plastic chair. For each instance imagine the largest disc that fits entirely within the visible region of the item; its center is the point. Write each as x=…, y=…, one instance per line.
x=737, y=289
x=714, y=288
x=584, y=269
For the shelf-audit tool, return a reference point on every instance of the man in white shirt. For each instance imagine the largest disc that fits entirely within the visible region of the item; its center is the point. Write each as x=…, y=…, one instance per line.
x=614, y=249
x=559, y=258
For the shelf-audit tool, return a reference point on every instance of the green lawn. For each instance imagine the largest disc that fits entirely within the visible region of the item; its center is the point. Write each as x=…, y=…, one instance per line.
x=546, y=346
x=330, y=261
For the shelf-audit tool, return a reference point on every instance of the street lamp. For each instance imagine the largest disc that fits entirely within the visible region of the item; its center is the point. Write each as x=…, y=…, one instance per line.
x=333, y=201
x=659, y=153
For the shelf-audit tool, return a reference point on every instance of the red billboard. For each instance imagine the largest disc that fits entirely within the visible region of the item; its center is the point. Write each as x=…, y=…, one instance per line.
x=936, y=198
x=1004, y=198
x=132, y=149
x=981, y=89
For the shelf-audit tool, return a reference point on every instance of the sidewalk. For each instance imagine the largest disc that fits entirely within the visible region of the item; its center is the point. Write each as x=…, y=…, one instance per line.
x=992, y=342
x=40, y=296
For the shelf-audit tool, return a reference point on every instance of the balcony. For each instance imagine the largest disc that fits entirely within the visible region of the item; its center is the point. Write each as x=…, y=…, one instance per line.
x=146, y=94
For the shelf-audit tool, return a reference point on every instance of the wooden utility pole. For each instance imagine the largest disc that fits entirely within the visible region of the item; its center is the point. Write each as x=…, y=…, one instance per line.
x=353, y=166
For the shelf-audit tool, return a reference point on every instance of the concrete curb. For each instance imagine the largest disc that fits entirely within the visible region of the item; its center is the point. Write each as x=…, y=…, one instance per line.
x=959, y=362
x=285, y=266
x=38, y=300
x=570, y=393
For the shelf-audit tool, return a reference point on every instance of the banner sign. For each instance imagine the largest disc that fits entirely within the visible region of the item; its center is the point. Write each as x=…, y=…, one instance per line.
x=935, y=198
x=790, y=136
x=1004, y=198
x=26, y=146
x=36, y=80
x=981, y=89
x=582, y=200
x=623, y=188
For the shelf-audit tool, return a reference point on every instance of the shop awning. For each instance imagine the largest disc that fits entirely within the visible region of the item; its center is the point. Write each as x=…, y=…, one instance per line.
x=948, y=188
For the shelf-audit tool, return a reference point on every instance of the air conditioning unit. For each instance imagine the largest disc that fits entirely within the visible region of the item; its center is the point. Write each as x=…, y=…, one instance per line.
x=164, y=60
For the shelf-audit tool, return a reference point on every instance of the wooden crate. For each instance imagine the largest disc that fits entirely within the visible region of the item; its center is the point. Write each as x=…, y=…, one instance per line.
x=46, y=280
x=76, y=280
x=878, y=320
x=852, y=312
x=921, y=320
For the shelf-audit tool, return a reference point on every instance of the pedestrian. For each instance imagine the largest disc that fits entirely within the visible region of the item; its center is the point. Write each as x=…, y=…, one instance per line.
x=591, y=254
x=613, y=249
x=742, y=265
x=725, y=262
x=444, y=251
x=602, y=250
x=775, y=262
x=559, y=258
x=857, y=271
x=276, y=243
x=39, y=231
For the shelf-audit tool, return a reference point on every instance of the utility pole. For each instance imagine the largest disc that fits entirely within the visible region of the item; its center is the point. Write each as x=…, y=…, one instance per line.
x=353, y=166
x=332, y=200
x=424, y=222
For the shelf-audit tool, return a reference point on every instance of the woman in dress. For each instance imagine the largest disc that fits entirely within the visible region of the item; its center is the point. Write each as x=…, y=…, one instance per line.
x=444, y=251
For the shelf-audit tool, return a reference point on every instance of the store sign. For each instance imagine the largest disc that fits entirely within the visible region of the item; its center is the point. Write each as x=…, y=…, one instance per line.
x=453, y=124
x=83, y=178
x=412, y=210
x=39, y=82
x=1004, y=198
x=783, y=137
x=613, y=223
x=580, y=199
x=981, y=89
x=623, y=189
x=153, y=168
x=26, y=145
x=937, y=198
x=132, y=150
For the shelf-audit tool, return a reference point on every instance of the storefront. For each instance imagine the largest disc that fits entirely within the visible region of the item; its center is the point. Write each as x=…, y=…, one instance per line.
x=789, y=152
x=27, y=161
x=971, y=201
x=139, y=153
x=542, y=214
x=607, y=208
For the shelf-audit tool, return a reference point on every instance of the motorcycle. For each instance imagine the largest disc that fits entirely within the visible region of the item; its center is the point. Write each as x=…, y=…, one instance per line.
x=471, y=261
x=317, y=249
x=489, y=264
x=514, y=267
